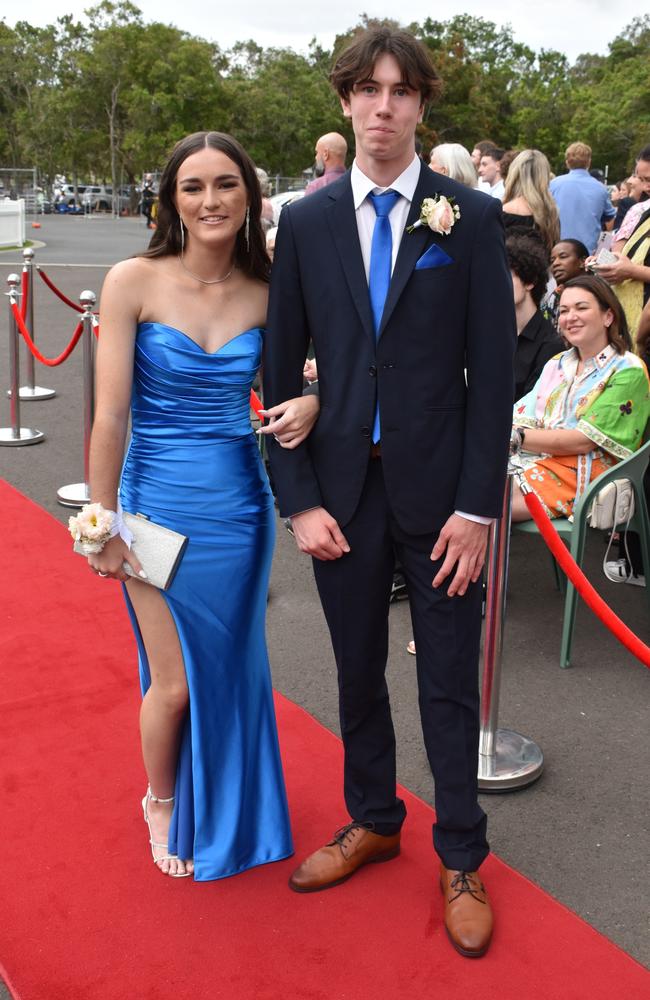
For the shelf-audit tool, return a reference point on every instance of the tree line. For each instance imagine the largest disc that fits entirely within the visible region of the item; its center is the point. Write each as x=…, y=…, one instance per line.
x=109, y=96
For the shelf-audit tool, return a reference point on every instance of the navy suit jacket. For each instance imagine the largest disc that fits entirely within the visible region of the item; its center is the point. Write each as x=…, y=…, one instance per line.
x=441, y=367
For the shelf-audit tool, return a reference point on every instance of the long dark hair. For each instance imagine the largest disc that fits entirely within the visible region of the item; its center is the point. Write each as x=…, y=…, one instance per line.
x=166, y=240
x=618, y=334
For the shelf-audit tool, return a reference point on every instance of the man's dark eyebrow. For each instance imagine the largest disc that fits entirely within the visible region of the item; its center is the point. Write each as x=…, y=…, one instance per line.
x=400, y=83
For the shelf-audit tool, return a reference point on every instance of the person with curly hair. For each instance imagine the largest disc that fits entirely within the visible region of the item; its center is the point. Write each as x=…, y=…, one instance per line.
x=537, y=339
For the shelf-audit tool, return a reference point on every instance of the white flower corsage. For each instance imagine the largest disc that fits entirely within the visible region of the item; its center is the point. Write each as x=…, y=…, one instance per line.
x=94, y=526
x=438, y=213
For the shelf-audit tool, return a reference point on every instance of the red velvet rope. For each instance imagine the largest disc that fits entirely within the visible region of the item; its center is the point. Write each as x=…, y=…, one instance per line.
x=50, y=362
x=24, y=287
x=256, y=403
x=589, y=595
x=60, y=295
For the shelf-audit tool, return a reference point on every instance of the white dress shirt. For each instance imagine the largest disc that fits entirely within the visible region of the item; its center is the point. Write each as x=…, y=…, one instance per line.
x=362, y=186
x=366, y=216
x=497, y=190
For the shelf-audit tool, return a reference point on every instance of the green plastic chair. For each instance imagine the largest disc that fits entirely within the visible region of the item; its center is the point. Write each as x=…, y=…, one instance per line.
x=575, y=533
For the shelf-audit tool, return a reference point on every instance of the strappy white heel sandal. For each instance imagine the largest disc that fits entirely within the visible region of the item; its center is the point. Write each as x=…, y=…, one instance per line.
x=150, y=797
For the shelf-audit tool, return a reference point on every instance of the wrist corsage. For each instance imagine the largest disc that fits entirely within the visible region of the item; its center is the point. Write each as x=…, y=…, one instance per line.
x=440, y=214
x=94, y=526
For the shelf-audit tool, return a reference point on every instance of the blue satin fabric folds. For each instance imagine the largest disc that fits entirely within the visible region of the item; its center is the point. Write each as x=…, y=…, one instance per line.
x=193, y=465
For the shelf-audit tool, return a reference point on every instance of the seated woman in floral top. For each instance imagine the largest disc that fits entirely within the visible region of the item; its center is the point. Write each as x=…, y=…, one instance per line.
x=589, y=407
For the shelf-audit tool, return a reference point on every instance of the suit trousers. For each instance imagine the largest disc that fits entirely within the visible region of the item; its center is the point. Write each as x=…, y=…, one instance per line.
x=355, y=594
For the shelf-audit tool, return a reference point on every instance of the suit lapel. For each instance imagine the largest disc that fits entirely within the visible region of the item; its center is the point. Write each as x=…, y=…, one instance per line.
x=343, y=226
x=411, y=247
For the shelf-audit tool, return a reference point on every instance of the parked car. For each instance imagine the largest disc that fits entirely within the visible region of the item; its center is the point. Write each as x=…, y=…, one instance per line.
x=280, y=200
x=65, y=194
x=99, y=198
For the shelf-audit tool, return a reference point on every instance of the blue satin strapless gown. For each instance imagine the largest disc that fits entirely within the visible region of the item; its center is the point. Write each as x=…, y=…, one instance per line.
x=193, y=465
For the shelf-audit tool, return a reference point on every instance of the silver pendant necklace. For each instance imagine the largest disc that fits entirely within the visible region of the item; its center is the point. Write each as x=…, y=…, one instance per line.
x=204, y=281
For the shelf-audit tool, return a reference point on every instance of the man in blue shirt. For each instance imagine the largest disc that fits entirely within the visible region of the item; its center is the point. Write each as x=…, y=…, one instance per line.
x=582, y=201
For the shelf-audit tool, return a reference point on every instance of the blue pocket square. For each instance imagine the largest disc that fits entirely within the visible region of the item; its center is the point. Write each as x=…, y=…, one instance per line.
x=433, y=257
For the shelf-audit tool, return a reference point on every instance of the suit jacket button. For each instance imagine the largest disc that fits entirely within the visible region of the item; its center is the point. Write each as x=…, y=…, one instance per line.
x=365, y=431
x=388, y=364
x=372, y=370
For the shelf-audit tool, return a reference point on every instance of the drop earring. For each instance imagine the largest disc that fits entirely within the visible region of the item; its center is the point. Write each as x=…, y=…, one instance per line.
x=247, y=229
x=180, y=221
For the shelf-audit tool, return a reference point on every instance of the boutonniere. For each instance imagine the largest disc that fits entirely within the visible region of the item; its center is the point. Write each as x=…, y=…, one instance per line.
x=438, y=213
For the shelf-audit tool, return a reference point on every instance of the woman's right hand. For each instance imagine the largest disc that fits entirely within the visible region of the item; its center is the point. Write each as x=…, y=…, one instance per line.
x=292, y=421
x=109, y=561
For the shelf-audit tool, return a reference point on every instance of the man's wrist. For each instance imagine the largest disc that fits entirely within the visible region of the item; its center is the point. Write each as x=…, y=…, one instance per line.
x=478, y=518
x=305, y=511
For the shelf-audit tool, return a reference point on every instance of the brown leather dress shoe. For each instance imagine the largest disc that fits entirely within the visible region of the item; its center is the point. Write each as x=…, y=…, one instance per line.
x=352, y=847
x=468, y=917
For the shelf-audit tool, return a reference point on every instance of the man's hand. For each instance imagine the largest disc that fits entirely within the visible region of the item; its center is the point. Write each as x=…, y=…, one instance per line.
x=463, y=543
x=317, y=534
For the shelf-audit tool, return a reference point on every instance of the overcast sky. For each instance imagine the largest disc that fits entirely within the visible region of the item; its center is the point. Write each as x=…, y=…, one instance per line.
x=571, y=26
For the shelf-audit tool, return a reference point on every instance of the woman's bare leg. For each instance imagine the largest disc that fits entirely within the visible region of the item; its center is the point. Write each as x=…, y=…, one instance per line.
x=520, y=511
x=163, y=709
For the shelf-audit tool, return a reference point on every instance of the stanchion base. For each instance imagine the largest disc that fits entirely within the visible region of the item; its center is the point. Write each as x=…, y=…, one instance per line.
x=33, y=392
x=26, y=435
x=517, y=763
x=74, y=495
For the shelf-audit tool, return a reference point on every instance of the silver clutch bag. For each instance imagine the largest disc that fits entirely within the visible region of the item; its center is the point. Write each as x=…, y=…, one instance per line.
x=158, y=549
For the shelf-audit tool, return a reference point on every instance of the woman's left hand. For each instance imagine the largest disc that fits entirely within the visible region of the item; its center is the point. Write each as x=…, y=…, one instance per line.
x=615, y=273
x=292, y=421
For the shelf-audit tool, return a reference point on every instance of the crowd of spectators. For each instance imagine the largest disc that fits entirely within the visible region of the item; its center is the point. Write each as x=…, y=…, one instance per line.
x=569, y=233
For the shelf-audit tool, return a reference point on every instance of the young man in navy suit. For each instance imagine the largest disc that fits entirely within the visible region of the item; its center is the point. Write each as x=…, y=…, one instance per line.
x=414, y=335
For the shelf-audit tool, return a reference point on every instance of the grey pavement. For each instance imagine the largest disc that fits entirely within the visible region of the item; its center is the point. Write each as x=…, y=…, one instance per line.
x=581, y=831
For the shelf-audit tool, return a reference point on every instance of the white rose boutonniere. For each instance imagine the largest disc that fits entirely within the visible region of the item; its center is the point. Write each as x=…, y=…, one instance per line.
x=440, y=214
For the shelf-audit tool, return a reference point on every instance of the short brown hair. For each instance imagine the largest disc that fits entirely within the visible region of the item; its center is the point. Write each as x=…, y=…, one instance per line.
x=618, y=333
x=578, y=155
x=357, y=62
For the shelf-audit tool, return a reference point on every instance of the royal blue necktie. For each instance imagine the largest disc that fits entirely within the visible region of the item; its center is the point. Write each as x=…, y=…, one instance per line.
x=381, y=254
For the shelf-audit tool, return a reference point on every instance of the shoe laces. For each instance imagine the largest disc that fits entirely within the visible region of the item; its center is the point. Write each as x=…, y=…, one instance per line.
x=462, y=882
x=343, y=837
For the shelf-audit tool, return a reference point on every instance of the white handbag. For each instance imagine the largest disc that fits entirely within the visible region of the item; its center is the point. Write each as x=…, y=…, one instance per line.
x=613, y=505
x=159, y=549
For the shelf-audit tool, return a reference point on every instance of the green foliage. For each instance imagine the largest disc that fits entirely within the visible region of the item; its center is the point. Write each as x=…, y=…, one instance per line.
x=612, y=109
x=109, y=95
x=280, y=108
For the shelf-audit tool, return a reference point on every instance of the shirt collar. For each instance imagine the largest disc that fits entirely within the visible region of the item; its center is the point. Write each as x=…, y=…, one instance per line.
x=571, y=357
x=531, y=329
x=405, y=184
x=605, y=356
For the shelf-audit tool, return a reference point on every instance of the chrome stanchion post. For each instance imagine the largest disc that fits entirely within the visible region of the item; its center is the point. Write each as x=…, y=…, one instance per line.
x=30, y=390
x=507, y=760
x=16, y=435
x=78, y=494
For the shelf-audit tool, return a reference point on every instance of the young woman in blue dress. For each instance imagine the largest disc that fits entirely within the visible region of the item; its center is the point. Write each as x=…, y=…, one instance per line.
x=182, y=333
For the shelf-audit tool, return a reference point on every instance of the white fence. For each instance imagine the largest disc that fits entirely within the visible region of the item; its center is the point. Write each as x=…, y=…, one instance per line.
x=12, y=223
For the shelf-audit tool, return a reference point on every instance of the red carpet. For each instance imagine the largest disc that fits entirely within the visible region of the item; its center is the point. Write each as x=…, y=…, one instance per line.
x=84, y=915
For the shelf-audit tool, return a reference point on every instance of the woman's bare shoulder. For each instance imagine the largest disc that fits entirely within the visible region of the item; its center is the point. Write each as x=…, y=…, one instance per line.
x=518, y=206
x=257, y=295
x=137, y=268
